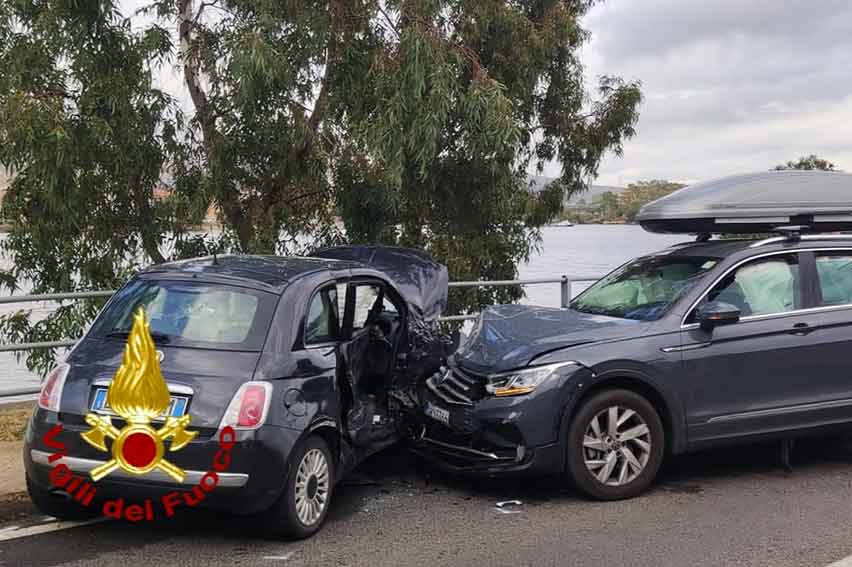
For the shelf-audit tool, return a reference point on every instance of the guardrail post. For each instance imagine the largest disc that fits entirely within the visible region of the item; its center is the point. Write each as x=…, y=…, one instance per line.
x=565, y=288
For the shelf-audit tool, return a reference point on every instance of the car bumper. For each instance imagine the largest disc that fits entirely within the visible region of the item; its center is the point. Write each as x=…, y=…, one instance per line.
x=495, y=436
x=461, y=459
x=252, y=481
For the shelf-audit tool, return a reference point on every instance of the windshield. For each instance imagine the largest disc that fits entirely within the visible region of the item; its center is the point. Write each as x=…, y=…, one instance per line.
x=191, y=314
x=644, y=288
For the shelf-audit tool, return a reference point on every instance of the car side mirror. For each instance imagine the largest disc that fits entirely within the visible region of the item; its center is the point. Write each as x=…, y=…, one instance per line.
x=717, y=313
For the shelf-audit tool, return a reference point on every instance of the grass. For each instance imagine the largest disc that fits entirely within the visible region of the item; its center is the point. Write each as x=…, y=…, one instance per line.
x=13, y=420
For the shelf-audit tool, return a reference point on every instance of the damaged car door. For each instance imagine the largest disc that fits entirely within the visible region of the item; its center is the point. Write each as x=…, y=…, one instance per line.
x=373, y=323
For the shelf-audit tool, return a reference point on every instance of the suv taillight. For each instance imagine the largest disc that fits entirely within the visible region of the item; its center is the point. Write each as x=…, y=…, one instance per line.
x=51, y=389
x=249, y=407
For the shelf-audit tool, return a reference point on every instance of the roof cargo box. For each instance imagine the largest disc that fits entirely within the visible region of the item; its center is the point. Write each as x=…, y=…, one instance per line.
x=756, y=202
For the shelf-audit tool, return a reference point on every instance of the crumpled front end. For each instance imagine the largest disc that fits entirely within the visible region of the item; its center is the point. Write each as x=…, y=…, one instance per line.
x=466, y=427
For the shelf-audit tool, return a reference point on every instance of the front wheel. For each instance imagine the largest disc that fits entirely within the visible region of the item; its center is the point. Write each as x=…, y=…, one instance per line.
x=303, y=505
x=615, y=445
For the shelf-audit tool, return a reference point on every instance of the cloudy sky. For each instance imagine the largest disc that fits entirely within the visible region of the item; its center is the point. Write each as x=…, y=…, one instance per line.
x=730, y=85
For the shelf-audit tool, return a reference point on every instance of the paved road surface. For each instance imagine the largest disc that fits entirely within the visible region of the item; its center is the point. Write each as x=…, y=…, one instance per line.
x=730, y=507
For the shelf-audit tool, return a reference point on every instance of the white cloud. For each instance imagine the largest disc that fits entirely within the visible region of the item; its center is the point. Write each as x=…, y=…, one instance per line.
x=729, y=86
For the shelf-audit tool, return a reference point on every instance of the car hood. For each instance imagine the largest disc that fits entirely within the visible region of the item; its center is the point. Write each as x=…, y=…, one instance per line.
x=421, y=280
x=511, y=336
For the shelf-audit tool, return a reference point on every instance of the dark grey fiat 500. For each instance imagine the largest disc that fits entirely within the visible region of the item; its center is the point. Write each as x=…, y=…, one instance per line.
x=312, y=361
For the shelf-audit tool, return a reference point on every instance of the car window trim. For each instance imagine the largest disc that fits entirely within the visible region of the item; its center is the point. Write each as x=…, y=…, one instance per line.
x=320, y=344
x=798, y=252
x=388, y=291
x=354, y=284
x=347, y=330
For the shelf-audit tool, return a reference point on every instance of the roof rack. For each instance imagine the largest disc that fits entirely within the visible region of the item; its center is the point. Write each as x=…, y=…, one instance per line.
x=794, y=237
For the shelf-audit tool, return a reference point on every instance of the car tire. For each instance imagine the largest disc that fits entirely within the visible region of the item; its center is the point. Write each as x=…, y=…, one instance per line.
x=59, y=506
x=303, y=505
x=612, y=456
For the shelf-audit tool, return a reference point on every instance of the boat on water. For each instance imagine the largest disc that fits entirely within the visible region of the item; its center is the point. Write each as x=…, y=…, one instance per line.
x=815, y=201
x=562, y=224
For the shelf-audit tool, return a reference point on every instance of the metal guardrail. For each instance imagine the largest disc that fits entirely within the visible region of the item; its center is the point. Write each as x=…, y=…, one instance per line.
x=565, y=286
x=55, y=296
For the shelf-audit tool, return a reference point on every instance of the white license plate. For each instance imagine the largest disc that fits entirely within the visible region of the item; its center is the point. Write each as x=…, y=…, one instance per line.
x=436, y=413
x=177, y=404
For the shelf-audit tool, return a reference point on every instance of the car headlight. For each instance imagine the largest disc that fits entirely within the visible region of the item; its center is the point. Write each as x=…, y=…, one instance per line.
x=524, y=380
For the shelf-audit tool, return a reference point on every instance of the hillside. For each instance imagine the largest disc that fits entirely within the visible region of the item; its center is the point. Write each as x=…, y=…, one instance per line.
x=591, y=196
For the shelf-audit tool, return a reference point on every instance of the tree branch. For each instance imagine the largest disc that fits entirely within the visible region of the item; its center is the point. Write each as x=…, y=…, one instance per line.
x=390, y=22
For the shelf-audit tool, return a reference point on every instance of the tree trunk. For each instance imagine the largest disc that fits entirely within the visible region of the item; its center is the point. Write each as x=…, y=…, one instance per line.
x=227, y=196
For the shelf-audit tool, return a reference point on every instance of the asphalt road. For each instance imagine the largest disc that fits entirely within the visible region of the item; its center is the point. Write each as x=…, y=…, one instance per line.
x=727, y=507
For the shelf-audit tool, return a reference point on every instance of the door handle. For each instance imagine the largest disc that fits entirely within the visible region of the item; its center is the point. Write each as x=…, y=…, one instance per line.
x=801, y=329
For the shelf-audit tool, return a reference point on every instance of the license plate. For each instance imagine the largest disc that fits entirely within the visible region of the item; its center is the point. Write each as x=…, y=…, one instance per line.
x=436, y=413
x=177, y=404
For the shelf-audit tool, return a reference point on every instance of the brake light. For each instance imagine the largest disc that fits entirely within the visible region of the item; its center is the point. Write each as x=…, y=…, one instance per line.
x=249, y=407
x=51, y=389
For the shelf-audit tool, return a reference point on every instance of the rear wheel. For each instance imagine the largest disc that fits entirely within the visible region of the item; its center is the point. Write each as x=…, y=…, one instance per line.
x=58, y=505
x=303, y=506
x=615, y=445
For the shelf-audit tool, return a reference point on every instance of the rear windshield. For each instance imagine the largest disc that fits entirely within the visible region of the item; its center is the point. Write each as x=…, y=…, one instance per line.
x=191, y=314
x=644, y=288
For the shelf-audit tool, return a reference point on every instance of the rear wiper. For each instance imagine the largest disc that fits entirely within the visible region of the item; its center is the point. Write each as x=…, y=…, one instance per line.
x=158, y=337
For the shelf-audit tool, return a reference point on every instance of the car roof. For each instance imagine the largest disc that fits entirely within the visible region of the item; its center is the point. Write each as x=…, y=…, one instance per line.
x=711, y=248
x=272, y=273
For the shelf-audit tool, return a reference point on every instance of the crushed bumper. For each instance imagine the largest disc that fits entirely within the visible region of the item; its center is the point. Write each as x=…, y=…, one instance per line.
x=465, y=460
x=493, y=436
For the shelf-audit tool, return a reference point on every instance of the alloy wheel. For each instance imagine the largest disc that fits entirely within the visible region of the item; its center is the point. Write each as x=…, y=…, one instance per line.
x=312, y=485
x=616, y=445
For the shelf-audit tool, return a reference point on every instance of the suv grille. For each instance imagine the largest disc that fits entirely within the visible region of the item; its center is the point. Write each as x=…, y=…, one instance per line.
x=455, y=386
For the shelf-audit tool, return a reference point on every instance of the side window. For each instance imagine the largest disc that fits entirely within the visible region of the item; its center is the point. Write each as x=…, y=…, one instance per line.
x=366, y=296
x=322, y=323
x=388, y=307
x=835, y=277
x=762, y=287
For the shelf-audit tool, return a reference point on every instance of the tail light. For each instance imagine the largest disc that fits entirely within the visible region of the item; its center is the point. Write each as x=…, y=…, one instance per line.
x=51, y=389
x=249, y=407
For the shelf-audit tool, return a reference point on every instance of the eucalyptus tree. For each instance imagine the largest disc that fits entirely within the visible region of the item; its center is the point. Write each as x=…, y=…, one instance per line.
x=456, y=102
x=416, y=122
x=85, y=137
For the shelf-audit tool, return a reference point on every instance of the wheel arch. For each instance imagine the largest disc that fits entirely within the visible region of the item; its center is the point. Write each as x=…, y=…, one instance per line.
x=667, y=408
x=327, y=430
